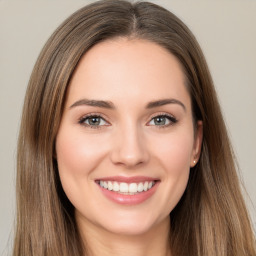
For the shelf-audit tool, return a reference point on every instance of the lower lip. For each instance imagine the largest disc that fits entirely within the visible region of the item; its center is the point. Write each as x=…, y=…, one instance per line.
x=129, y=199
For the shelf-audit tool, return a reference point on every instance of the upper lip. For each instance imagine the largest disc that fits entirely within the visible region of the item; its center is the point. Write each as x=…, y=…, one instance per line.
x=134, y=179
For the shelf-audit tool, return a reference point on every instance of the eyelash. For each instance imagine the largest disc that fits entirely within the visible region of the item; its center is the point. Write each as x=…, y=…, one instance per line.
x=170, y=118
x=84, y=118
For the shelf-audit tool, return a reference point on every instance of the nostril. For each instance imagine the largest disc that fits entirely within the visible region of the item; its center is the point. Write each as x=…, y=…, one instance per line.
x=129, y=148
x=128, y=160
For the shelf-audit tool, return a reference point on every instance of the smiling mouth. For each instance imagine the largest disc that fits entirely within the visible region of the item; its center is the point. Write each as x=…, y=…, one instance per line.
x=126, y=188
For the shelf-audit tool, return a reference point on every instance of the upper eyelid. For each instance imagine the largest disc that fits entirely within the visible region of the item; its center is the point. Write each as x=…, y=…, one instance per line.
x=163, y=114
x=83, y=119
x=92, y=115
x=106, y=119
x=172, y=119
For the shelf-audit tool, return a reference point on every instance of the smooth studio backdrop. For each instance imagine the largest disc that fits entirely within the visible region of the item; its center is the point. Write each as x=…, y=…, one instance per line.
x=226, y=30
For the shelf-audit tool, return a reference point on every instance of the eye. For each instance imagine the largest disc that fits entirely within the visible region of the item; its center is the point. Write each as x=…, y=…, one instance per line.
x=162, y=120
x=93, y=121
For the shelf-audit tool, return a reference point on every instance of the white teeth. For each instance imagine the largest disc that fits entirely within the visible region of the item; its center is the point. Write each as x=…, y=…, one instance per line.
x=116, y=186
x=133, y=188
x=110, y=186
x=127, y=188
x=123, y=187
x=140, y=187
x=145, y=187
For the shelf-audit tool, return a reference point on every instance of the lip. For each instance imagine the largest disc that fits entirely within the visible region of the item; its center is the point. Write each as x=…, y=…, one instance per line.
x=134, y=179
x=128, y=199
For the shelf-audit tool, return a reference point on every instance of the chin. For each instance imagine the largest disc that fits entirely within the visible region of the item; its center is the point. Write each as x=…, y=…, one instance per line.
x=126, y=230
x=132, y=226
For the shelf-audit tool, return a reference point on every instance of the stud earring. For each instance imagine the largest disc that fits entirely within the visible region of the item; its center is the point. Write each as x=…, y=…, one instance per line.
x=194, y=161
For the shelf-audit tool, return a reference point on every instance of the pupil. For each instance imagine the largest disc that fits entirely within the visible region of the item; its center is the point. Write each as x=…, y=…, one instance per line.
x=160, y=120
x=94, y=121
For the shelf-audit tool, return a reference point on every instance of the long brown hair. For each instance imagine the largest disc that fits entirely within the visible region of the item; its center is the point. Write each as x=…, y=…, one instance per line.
x=211, y=217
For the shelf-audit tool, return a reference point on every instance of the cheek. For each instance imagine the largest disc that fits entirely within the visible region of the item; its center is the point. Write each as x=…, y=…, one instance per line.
x=175, y=151
x=173, y=155
x=77, y=156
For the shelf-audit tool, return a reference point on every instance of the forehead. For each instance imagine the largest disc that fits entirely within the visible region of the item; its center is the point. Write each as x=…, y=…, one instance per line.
x=124, y=69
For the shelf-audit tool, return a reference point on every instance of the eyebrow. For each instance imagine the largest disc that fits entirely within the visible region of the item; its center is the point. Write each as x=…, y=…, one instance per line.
x=94, y=103
x=159, y=103
x=110, y=105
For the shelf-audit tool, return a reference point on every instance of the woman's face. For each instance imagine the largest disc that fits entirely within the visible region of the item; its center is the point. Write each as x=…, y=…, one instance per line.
x=126, y=140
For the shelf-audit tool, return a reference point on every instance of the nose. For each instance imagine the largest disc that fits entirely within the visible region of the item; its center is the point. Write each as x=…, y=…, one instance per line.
x=129, y=148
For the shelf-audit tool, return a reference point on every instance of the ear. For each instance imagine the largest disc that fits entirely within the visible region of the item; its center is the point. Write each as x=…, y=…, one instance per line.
x=197, y=144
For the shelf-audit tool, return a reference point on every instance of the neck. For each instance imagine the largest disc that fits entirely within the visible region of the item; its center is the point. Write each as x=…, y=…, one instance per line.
x=101, y=242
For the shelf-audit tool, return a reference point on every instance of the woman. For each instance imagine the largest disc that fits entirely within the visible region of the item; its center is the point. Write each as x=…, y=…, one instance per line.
x=123, y=149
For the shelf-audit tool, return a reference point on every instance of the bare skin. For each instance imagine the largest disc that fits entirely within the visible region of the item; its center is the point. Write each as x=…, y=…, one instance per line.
x=127, y=114
x=102, y=242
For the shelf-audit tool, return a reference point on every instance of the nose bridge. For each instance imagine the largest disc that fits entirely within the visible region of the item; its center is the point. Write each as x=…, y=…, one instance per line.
x=130, y=147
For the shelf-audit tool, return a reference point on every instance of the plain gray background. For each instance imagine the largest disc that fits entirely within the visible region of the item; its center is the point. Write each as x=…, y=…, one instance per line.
x=226, y=30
